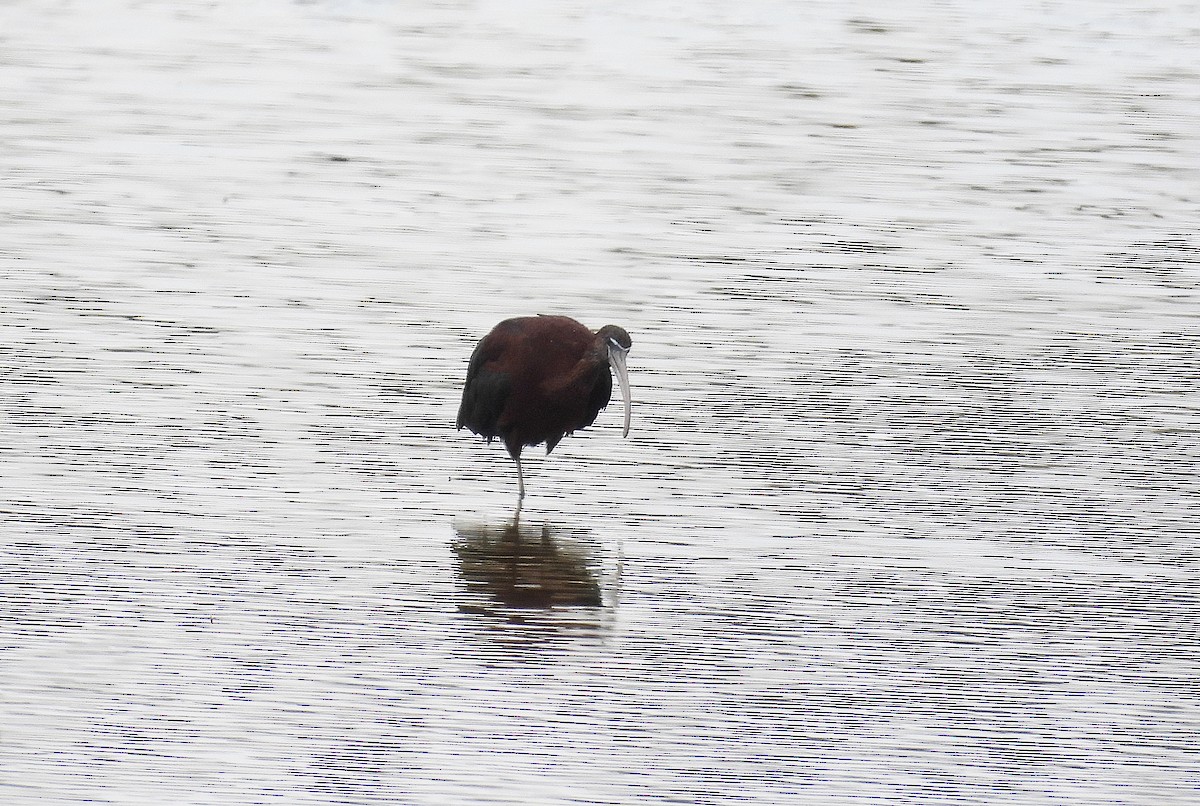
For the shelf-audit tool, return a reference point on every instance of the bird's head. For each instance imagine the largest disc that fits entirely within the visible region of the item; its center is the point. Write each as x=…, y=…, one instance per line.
x=617, y=343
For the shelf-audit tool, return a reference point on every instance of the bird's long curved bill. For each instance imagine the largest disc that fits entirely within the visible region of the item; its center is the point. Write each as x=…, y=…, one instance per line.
x=616, y=358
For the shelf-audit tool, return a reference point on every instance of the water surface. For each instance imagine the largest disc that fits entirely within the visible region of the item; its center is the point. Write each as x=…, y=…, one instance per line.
x=907, y=511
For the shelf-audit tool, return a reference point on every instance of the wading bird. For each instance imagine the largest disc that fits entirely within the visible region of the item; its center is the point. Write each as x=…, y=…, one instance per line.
x=536, y=379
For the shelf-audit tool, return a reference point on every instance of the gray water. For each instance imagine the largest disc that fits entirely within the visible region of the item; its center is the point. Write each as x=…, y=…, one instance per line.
x=907, y=511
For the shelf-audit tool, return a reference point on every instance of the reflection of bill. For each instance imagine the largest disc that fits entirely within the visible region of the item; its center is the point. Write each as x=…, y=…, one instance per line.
x=528, y=567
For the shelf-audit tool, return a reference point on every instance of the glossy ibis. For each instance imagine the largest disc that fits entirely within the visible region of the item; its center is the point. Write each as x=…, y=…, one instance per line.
x=536, y=379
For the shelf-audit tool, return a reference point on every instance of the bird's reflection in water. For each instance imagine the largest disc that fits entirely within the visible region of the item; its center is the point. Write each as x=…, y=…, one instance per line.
x=525, y=567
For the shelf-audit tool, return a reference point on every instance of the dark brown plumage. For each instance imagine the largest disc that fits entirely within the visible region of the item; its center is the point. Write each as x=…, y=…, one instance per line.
x=535, y=379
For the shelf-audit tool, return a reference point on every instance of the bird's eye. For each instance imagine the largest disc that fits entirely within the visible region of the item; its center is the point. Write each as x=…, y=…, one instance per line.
x=615, y=343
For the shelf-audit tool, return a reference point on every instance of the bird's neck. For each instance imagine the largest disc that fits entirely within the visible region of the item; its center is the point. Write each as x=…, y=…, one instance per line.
x=583, y=374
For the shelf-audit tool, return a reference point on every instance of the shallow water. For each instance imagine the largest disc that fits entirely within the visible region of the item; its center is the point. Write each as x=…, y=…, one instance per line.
x=907, y=511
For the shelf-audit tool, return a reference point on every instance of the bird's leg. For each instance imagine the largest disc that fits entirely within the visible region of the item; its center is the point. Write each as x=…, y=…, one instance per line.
x=514, y=450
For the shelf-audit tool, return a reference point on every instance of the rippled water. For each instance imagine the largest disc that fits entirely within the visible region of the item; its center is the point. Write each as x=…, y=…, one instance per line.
x=907, y=514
